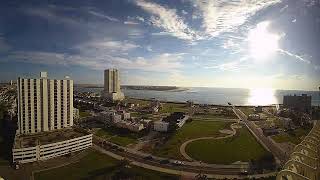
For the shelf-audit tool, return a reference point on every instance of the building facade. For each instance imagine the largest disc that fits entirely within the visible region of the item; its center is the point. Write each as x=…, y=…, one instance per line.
x=161, y=126
x=112, y=89
x=44, y=104
x=48, y=151
x=300, y=103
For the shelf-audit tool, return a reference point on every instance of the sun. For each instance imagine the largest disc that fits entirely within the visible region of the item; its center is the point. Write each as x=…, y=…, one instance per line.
x=262, y=43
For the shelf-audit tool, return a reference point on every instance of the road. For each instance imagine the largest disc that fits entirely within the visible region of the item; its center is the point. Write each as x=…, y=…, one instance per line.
x=278, y=153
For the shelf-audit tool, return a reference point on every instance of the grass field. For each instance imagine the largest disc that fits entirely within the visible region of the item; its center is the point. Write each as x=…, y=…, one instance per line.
x=211, y=117
x=293, y=137
x=242, y=147
x=117, y=138
x=247, y=110
x=84, y=114
x=98, y=166
x=190, y=130
x=141, y=103
x=173, y=107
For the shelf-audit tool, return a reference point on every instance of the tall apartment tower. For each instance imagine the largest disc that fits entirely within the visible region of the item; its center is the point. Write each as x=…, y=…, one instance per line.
x=44, y=104
x=112, y=85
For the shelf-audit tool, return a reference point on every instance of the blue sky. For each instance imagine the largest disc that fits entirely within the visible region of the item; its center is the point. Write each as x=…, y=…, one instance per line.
x=180, y=42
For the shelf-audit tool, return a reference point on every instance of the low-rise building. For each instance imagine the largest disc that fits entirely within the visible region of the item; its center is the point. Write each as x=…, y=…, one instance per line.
x=287, y=123
x=161, y=126
x=146, y=122
x=258, y=109
x=254, y=117
x=270, y=131
x=179, y=118
x=116, y=118
x=132, y=126
x=45, y=146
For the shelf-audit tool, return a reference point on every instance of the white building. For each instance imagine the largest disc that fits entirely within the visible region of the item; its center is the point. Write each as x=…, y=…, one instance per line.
x=132, y=126
x=161, y=126
x=112, y=85
x=116, y=118
x=44, y=104
x=42, y=149
x=125, y=115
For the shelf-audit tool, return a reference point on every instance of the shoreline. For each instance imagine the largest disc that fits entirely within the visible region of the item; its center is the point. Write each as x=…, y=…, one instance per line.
x=217, y=105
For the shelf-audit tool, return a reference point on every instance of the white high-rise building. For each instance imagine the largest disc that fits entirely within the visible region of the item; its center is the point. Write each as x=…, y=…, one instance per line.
x=44, y=104
x=112, y=85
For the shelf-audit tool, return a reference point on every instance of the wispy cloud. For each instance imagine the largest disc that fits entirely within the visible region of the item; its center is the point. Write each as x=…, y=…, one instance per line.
x=130, y=23
x=101, y=15
x=223, y=16
x=37, y=57
x=50, y=14
x=106, y=46
x=168, y=20
x=300, y=58
x=231, y=66
x=100, y=60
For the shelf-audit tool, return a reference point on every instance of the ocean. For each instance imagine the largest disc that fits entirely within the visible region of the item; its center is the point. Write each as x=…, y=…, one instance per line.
x=217, y=96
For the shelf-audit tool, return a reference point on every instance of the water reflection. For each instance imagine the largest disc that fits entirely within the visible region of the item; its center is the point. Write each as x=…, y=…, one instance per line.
x=262, y=97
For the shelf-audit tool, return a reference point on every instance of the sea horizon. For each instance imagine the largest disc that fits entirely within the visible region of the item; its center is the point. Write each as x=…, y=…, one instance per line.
x=217, y=96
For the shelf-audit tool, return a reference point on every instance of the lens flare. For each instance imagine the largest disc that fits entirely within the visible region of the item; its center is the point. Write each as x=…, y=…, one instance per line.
x=262, y=43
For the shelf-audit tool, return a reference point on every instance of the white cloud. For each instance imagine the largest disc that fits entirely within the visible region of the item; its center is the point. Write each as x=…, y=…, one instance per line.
x=100, y=15
x=101, y=60
x=130, y=23
x=168, y=20
x=223, y=16
x=149, y=48
x=107, y=46
x=140, y=18
x=184, y=12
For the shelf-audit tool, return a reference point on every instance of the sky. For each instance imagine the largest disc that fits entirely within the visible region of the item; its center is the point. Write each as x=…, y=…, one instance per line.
x=192, y=43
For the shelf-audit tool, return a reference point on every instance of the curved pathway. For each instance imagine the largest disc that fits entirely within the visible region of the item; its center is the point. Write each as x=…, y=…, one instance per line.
x=233, y=126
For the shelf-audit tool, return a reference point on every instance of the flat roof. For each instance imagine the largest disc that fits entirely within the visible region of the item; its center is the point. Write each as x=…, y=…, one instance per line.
x=25, y=141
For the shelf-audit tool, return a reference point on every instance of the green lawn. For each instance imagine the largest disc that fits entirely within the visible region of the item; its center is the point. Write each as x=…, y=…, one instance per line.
x=141, y=115
x=141, y=103
x=242, y=147
x=293, y=137
x=84, y=114
x=190, y=130
x=98, y=166
x=211, y=117
x=247, y=110
x=173, y=107
x=122, y=139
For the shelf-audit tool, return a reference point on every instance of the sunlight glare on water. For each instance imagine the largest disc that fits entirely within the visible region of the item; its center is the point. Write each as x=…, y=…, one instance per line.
x=262, y=96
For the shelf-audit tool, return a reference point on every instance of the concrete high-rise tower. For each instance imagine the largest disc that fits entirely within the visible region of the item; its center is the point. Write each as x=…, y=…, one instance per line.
x=44, y=104
x=112, y=85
